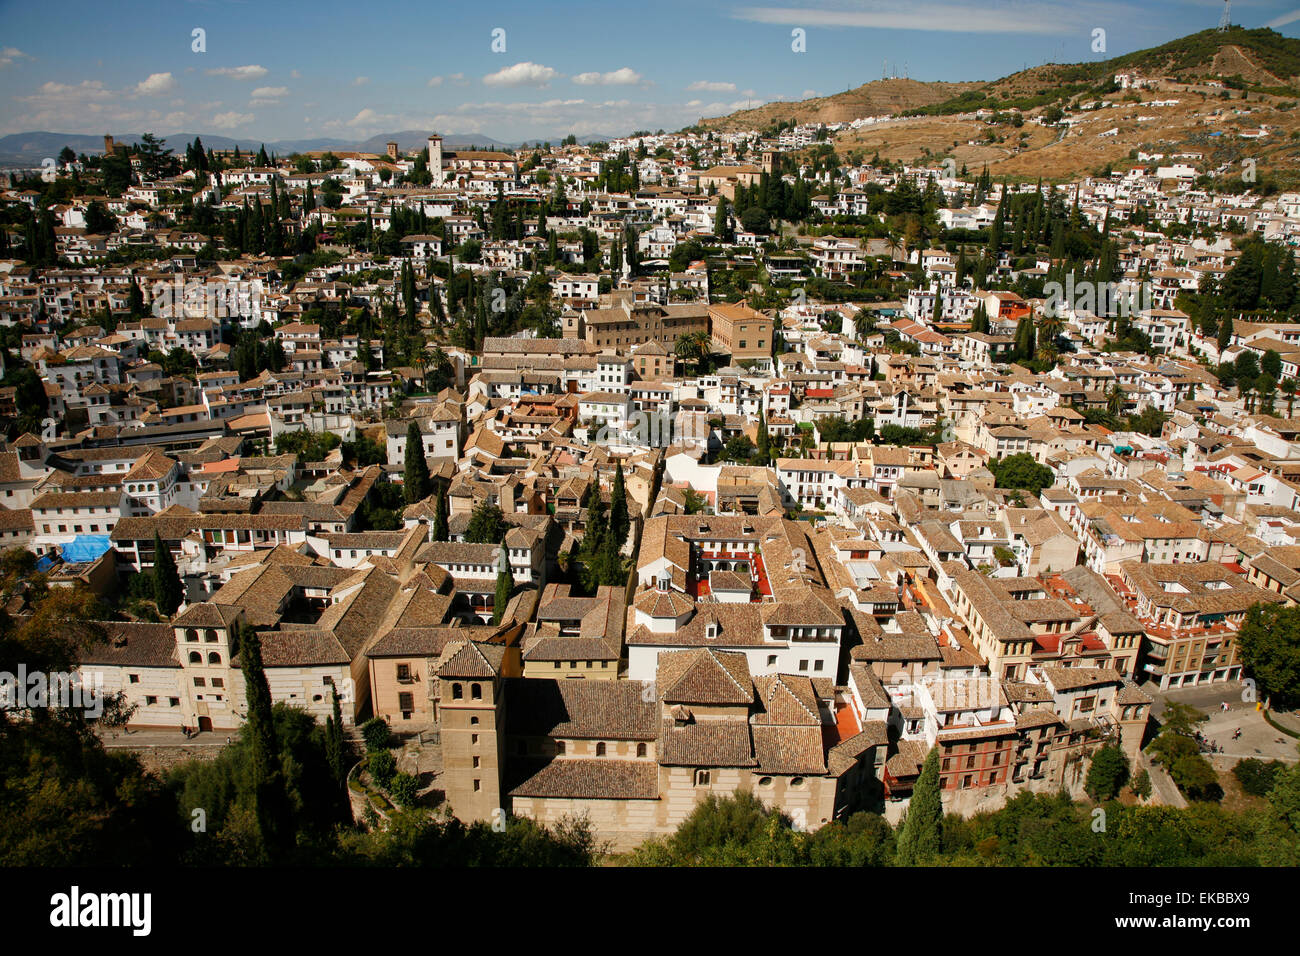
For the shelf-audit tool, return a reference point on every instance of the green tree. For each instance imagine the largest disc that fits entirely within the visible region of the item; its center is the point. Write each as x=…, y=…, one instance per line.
x=440, y=518
x=487, y=525
x=505, y=586
x=270, y=812
x=1269, y=645
x=168, y=591
x=1021, y=471
x=619, y=521
x=416, y=485
x=921, y=837
x=1107, y=773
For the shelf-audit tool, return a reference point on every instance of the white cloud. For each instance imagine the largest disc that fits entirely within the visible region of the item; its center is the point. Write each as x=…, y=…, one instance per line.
x=712, y=86
x=10, y=55
x=364, y=118
x=156, y=83
x=264, y=95
x=231, y=120
x=458, y=79
x=1049, y=17
x=435, y=81
x=250, y=72
x=1281, y=21
x=808, y=94
x=361, y=81
x=626, y=76
x=521, y=74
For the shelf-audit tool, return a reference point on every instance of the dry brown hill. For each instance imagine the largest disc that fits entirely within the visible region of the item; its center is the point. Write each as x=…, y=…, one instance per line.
x=878, y=98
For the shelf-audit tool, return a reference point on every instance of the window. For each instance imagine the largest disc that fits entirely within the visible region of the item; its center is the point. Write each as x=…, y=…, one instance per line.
x=219, y=682
x=406, y=703
x=477, y=761
x=817, y=665
x=640, y=750
x=403, y=672
x=150, y=699
x=457, y=693
x=196, y=657
x=803, y=665
x=559, y=747
x=478, y=785
x=797, y=782
x=765, y=781
x=133, y=678
x=476, y=691
x=214, y=658
x=173, y=701
x=200, y=682
x=473, y=721
x=210, y=636
x=701, y=778
x=600, y=749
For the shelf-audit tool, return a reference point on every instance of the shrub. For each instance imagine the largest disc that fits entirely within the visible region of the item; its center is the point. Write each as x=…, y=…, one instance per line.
x=1257, y=777
x=376, y=734
x=1141, y=784
x=1194, y=774
x=403, y=788
x=383, y=766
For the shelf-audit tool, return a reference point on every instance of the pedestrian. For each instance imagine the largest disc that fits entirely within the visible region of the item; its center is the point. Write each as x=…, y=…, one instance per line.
x=1237, y=734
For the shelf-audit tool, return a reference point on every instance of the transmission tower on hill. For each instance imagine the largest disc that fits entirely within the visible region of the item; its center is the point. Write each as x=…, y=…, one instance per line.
x=1226, y=20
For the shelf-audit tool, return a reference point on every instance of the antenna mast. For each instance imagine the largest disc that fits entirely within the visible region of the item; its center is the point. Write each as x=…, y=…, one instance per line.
x=1225, y=22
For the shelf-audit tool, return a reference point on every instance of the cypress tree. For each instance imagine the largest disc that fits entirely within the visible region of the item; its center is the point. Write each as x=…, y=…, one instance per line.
x=415, y=479
x=764, y=441
x=505, y=584
x=922, y=832
x=270, y=804
x=334, y=742
x=440, y=518
x=619, y=522
x=168, y=591
x=1225, y=334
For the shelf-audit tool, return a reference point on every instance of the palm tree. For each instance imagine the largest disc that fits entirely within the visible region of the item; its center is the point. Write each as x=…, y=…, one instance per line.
x=1115, y=400
x=1050, y=328
x=693, y=347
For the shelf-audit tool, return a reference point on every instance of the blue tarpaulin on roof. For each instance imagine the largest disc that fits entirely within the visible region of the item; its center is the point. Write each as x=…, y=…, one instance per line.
x=45, y=563
x=85, y=547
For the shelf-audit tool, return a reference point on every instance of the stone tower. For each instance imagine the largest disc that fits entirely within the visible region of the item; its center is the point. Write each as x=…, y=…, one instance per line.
x=392, y=150
x=471, y=720
x=435, y=159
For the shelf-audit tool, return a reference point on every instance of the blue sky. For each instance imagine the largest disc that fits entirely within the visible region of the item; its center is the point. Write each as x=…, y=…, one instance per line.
x=284, y=69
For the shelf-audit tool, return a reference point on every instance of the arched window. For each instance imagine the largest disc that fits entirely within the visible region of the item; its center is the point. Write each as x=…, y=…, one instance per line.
x=191, y=635
x=473, y=720
x=210, y=636
x=600, y=749
x=214, y=658
x=456, y=692
x=640, y=750
x=476, y=691
x=196, y=657
x=559, y=746
x=797, y=782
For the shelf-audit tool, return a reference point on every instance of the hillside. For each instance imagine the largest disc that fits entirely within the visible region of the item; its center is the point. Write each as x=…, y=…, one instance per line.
x=877, y=98
x=1262, y=64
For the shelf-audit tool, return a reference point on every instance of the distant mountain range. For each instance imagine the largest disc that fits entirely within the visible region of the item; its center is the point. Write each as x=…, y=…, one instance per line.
x=27, y=150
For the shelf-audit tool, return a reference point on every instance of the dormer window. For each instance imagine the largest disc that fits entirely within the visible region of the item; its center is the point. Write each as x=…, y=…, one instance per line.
x=711, y=630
